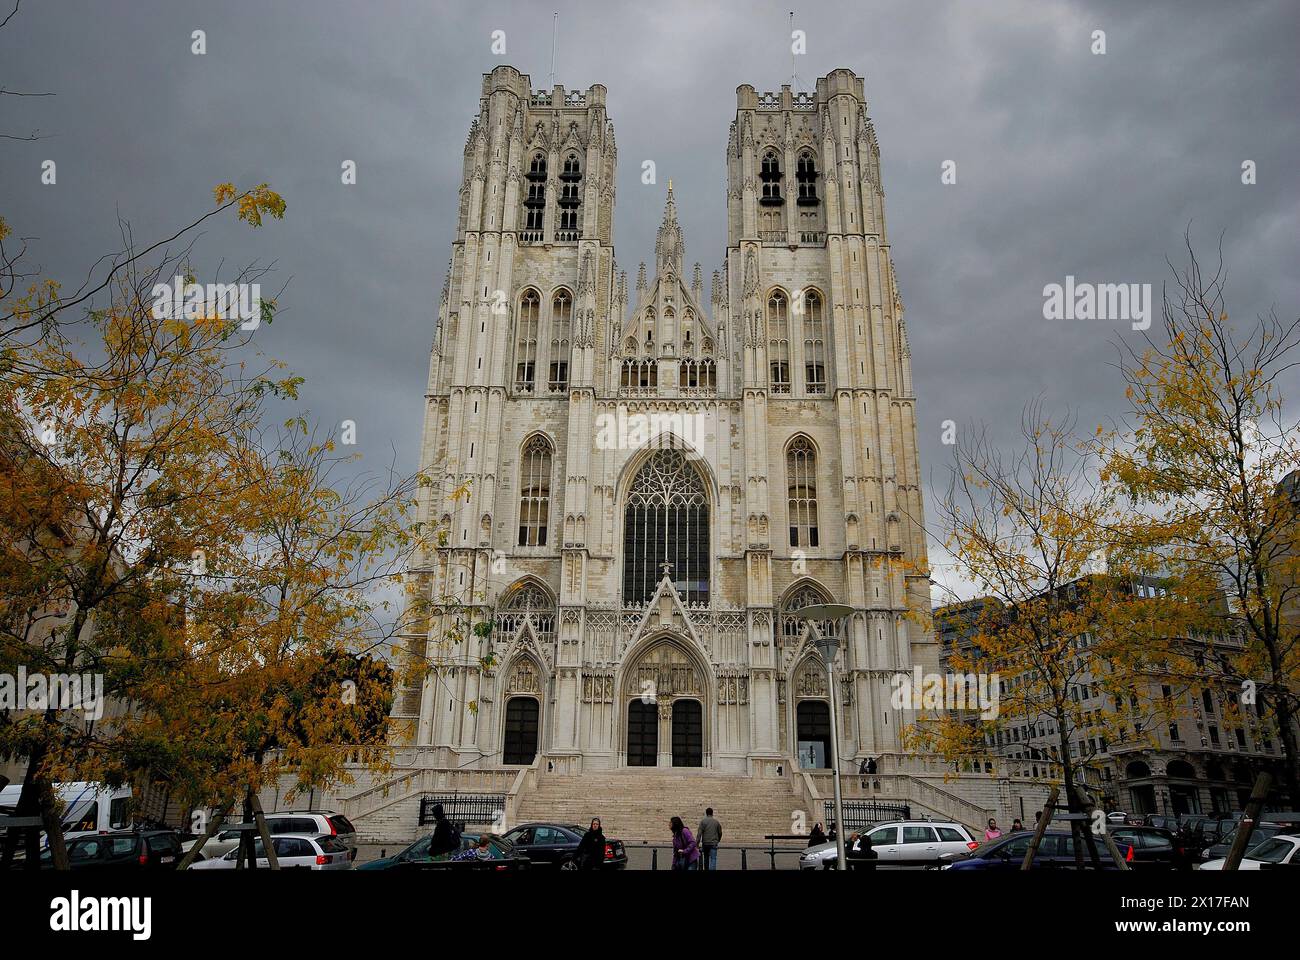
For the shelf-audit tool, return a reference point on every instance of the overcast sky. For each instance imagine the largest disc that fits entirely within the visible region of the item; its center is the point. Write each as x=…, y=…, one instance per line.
x=1067, y=162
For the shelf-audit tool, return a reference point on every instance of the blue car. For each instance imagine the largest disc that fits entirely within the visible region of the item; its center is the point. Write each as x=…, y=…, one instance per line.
x=1056, y=852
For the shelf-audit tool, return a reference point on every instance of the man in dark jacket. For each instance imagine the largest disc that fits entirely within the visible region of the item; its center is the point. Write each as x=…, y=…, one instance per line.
x=445, y=839
x=709, y=836
x=859, y=854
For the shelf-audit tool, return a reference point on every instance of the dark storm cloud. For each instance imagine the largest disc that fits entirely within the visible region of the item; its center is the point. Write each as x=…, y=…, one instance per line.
x=1067, y=162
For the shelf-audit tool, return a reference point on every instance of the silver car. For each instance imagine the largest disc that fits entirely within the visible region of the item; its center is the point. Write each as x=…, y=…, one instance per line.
x=293, y=851
x=901, y=840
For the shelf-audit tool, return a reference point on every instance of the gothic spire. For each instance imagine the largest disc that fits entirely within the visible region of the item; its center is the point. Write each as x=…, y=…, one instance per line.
x=668, y=244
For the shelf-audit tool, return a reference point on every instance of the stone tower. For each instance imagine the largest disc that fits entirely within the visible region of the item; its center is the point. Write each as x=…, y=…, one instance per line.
x=639, y=487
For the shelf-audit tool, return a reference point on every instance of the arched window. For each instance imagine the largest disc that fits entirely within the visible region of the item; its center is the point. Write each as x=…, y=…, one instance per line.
x=806, y=177
x=666, y=522
x=570, y=198
x=526, y=341
x=640, y=374
x=535, y=198
x=801, y=479
x=561, y=322
x=790, y=626
x=526, y=602
x=778, y=332
x=769, y=175
x=814, y=343
x=534, y=491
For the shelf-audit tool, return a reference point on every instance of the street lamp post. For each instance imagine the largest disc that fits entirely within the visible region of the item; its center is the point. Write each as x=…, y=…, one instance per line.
x=827, y=647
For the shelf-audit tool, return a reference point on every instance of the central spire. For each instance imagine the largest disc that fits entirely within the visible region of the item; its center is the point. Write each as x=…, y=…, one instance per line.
x=669, y=248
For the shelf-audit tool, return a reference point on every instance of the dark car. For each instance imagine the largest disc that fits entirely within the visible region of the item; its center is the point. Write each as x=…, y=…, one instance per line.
x=127, y=849
x=416, y=856
x=554, y=845
x=1056, y=852
x=1161, y=821
x=1154, y=848
x=1262, y=832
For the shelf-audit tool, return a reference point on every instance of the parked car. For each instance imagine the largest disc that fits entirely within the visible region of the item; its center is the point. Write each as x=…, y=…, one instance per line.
x=900, y=840
x=554, y=845
x=1262, y=832
x=220, y=843
x=1153, y=848
x=314, y=822
x=125, y=849
x=1161, y=821
x=1055, y=852
x=293, y=851
x=416, y=855
x=1284, y=848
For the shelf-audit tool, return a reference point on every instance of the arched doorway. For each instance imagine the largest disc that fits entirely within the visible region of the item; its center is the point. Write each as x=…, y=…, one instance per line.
x=520, y=745
x=813, y=726
x=642, y=733
x=688, y=733
x=666, y=691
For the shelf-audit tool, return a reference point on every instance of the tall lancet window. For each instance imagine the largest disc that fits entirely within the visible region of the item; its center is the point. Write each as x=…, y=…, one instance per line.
x=769, y=174
x=535, y=198
x=814, y=343
x=666, y=522
x=801, y=478
x=778, y=348
x=526, y=341
x=534, y=491
x=561, y=322
x=570, y=198
x=806, y=177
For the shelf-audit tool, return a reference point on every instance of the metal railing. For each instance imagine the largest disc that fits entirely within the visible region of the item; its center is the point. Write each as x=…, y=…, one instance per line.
x=465, y=808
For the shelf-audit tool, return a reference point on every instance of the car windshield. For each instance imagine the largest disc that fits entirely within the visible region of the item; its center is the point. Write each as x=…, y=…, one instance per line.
x=1270, y=851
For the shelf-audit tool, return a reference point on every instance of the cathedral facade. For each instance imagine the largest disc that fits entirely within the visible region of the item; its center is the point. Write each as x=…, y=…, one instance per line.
x=638, y=484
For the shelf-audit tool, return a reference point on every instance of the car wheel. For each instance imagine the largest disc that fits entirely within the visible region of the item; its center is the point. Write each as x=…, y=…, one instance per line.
x=568, y=863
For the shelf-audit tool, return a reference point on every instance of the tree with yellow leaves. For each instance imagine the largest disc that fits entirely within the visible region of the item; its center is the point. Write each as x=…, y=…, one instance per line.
x=1059, y=615
x=1209, y=459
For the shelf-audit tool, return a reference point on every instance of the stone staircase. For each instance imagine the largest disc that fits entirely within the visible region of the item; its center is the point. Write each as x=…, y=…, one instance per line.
x=635, y=804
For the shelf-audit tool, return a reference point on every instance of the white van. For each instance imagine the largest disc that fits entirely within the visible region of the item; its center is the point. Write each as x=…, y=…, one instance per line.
x=87, y=807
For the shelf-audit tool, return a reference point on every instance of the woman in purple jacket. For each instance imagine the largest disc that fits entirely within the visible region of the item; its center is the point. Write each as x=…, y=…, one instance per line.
x=686, y=854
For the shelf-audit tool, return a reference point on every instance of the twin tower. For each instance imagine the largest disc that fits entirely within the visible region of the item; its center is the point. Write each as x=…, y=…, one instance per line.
x=638, y=486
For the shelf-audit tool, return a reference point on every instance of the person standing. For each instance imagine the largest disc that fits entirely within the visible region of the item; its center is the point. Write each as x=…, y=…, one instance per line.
x=709, y=836
x=686, y=853
x=446, y=839
x=992, y=833
x=817, y=837
x=590, y=854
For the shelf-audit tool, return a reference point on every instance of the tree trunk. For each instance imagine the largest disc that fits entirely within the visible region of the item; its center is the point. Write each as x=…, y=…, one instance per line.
x=271, y=859
x=213, y=826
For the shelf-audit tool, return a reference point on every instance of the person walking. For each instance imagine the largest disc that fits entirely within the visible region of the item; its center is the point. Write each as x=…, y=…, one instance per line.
x=686, y=853
x=816, y=838
x=590, y=854
x=709, y=836
x=446, y=838
x=992, y=833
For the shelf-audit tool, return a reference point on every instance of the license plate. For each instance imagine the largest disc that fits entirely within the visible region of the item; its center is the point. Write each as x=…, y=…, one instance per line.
x=166, y=859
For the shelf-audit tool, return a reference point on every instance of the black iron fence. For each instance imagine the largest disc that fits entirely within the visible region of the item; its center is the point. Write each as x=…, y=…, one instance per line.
x=464, y=808
x=859, y=814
